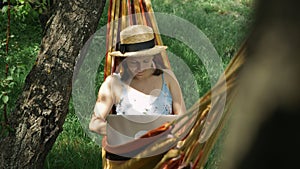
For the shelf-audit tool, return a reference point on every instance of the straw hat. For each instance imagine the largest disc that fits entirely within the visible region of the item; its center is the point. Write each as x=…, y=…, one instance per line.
x=137, y=40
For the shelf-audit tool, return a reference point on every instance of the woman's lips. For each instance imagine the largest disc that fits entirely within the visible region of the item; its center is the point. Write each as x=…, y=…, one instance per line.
x=140, y=73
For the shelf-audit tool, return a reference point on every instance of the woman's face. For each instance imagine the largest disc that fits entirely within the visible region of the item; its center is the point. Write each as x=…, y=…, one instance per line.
x=137, y=66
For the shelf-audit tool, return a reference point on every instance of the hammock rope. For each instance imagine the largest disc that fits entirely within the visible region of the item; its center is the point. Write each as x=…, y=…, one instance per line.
x=189, y=151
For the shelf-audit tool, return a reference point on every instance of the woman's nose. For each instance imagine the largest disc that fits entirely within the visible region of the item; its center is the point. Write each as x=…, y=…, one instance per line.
x=139, y=66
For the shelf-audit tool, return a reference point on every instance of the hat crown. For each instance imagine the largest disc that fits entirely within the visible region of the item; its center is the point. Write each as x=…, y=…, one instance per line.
x=136, y=34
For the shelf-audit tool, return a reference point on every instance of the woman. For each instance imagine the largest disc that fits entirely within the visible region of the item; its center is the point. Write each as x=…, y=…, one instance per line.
x=139, y=88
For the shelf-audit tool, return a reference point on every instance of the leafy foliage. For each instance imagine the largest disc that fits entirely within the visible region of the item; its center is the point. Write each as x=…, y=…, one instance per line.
x=22, y=50
x=23, y=9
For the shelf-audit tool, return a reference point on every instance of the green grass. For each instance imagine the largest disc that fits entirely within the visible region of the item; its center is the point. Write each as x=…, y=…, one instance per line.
x=224, y=22
x=73, y=149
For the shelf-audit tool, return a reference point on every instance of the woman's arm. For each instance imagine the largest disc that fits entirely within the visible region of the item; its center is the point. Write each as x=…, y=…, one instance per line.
x=103, y=107
x=178, y=102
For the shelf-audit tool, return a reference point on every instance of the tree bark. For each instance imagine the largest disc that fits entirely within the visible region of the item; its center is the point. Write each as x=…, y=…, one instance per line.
x=41, y=109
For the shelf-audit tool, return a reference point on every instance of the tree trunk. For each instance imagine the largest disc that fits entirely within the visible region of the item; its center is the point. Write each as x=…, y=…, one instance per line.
x=41, y=109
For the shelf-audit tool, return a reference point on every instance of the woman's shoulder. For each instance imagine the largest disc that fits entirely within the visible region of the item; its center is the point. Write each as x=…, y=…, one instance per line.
x=112, y=84
x=169, y=76
x=113, y=79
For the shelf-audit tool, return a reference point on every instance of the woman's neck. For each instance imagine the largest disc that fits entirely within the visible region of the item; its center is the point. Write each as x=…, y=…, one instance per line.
x=147, y=84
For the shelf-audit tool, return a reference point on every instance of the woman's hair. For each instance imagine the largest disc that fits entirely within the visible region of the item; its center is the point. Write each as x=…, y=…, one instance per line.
x=123, y=69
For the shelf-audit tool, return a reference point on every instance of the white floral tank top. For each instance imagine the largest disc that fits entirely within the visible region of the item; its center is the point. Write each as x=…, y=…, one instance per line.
x=134, y=102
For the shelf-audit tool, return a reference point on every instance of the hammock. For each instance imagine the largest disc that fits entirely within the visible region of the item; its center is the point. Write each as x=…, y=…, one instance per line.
x=165, y=145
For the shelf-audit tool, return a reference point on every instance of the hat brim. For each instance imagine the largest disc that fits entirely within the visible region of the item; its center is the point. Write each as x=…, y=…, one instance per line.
x=148, y=52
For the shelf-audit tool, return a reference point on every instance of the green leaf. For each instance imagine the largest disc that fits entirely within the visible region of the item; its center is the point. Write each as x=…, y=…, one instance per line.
x=9, y=78
x=5, y=99
x=3, y=84
x=4, y=9
x=40, y=10
x=11, y=84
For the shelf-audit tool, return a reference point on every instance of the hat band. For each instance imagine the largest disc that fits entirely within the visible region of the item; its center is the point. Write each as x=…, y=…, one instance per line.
x=136, y=46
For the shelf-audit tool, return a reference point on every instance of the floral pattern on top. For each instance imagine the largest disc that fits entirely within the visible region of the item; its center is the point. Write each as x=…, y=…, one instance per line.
x=134, y=102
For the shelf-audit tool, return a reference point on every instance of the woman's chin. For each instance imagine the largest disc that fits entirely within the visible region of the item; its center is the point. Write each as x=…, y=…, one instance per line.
x=143, y=74
x=140, y=75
